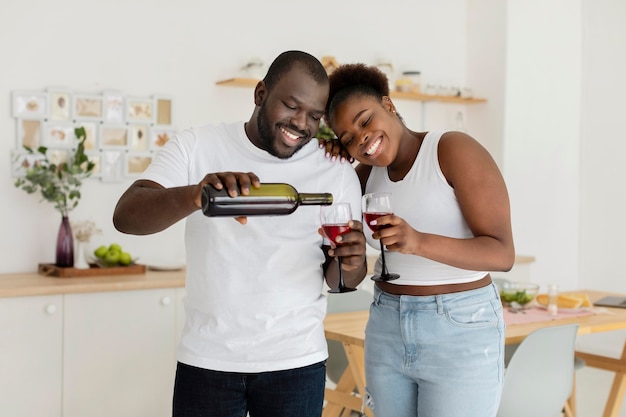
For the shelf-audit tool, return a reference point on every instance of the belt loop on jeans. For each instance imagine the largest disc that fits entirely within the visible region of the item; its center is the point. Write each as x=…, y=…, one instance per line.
x=439, y=299
x=377, y=295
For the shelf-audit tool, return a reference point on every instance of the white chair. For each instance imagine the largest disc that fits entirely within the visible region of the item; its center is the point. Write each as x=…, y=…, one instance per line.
x=570, y=406
x=540, y=376
x=509, y=350
x=340, y=303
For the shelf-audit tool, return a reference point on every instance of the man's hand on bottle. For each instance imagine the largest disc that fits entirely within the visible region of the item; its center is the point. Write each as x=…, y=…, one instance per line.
x=233, y=182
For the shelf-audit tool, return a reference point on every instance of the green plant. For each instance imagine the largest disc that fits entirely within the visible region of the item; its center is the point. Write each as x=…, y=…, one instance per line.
x=59, y=184
x=324, y=132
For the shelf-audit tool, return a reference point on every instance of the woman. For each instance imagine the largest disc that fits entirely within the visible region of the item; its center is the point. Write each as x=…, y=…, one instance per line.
x=435, y=337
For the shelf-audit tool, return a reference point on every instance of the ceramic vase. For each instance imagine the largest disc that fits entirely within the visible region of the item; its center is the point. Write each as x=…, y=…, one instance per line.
x=65, y=245
x=79, y=261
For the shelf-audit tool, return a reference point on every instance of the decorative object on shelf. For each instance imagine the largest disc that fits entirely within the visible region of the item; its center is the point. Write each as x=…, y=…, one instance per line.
x=467, y=92
x=59, y=184
x=412, y=81
x=330, y=63
x=253, y=69
x=386, y=67
x=83, y=231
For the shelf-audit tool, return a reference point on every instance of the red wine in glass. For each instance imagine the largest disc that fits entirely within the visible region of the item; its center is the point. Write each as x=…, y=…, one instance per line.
x=369, y=217
x=376, y=205
x=335, y=219
x=332, y=231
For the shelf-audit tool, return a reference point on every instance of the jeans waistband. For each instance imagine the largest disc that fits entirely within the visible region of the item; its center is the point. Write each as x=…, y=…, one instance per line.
x=432, y=289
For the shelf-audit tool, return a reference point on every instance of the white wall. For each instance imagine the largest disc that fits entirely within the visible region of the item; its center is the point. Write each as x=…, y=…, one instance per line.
x=603, y=146
x=181, y=49
x=486, y=72
x=542, y=134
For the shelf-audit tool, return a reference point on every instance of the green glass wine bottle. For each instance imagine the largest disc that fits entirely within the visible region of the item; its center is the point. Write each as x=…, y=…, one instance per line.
x=271, y=199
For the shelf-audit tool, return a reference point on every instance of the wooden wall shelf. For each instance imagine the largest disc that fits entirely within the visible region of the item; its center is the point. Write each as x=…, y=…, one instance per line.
x=428, y=97
x=238, y=82
x=251, y=82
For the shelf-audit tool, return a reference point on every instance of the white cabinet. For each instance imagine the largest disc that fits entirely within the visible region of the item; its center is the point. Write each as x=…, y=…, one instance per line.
x=119, y=353
x=31, y=342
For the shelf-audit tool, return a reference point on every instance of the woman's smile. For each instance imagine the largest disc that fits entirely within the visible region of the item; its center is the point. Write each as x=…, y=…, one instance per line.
x=374, y=146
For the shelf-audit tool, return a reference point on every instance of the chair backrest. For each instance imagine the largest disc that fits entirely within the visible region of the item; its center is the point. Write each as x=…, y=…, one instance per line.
x=340, y=303
x=539, y=378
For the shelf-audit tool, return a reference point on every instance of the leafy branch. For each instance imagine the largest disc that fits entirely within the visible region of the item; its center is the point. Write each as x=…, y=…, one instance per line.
x=325, y=132
x=59, y=184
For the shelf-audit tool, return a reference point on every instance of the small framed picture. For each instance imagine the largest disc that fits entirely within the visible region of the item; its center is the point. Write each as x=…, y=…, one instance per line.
x=140, y=110
x=114, y=136
x=113, y=107
x=139, y=137
x=159, y=136
x=29, y=133
x=30, y=104
x=91, y=131
x=87, y=107
x=112, y=166
x=137, y=163
x=58, y=135
x=22, y=160
x=60, y=104
x=163, y=110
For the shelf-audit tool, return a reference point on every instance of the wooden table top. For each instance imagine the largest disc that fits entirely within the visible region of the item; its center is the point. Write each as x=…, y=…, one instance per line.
x=350, y=327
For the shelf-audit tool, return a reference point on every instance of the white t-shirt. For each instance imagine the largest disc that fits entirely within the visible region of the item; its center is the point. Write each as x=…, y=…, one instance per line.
x=254, y=298
x=425, y=200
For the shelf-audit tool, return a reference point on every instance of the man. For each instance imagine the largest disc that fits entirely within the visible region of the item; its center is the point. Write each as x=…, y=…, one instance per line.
x=253, y=339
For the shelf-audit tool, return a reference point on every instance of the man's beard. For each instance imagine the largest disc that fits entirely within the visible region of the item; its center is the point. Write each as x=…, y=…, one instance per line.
x=267, y=135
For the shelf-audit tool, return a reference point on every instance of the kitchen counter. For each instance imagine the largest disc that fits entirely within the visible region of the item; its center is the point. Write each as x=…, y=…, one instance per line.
x=30, y=284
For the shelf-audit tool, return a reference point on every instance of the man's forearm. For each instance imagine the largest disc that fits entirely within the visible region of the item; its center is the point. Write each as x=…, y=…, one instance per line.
x=147, y=208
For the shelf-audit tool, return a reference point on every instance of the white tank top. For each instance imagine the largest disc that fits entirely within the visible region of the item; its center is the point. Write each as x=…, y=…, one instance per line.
x=425, y=200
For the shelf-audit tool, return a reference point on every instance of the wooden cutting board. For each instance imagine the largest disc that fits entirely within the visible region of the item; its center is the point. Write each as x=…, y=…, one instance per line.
x=51, y=270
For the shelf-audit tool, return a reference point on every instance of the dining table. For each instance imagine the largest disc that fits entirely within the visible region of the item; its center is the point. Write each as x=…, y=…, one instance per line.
x=348, y=328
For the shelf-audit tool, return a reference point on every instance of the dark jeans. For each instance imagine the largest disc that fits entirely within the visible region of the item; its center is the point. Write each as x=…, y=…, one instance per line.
x=291, y=393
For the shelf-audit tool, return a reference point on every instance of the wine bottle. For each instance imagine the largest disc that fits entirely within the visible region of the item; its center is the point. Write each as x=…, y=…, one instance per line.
x=271, y=199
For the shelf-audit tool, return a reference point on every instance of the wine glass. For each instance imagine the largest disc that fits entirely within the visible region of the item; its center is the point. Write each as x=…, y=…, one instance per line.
x=335, y=219
x=376, y=205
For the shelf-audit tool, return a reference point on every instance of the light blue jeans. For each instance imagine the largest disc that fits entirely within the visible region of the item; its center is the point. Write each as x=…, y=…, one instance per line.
x=435, y=356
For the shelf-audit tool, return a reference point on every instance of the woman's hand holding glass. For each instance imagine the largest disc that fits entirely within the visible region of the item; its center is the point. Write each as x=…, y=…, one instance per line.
x=375, y=207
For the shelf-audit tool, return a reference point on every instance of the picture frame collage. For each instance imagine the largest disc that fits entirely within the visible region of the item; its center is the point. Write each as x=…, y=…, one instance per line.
x=123, y=131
